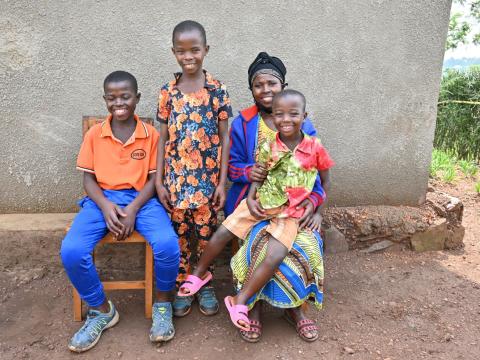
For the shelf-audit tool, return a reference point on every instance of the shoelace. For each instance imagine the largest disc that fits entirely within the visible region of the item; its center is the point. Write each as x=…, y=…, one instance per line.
x=92, y=325
x=159, y=314
x=207, y=294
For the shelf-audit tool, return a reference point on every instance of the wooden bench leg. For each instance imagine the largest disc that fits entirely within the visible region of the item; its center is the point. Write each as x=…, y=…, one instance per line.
x=148, y=280
x=77, y=306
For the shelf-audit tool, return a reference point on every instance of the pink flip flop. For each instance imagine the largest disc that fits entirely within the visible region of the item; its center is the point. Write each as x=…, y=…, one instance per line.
x=193, y=284
x=237, y=313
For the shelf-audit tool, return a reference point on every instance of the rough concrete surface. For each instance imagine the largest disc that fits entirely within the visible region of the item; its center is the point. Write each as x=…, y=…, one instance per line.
x=370, y=70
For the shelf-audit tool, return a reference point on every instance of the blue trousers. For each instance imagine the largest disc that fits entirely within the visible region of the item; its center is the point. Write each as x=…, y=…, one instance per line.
x=89, y=228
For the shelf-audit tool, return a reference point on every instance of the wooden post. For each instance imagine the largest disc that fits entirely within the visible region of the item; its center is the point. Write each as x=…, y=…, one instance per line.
x=148, y=280
x=77, y=306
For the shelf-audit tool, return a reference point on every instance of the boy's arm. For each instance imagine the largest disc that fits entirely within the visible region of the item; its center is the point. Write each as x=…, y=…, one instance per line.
x=162, y=191
x=111, y=211
x=219, y=195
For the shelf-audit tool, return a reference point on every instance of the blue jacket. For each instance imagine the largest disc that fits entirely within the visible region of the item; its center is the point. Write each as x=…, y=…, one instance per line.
x=243, y=146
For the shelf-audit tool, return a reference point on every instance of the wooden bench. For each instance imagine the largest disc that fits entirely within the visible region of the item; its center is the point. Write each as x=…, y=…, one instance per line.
x=145, y=284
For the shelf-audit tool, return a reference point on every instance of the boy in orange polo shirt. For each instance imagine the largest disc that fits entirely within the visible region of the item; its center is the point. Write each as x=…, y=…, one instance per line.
x=118, y=160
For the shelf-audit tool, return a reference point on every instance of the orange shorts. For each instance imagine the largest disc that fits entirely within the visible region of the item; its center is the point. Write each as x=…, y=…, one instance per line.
x=241, y=222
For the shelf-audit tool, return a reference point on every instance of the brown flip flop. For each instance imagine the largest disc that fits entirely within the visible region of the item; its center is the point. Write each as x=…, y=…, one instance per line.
x=255, y=328
x=303, y=326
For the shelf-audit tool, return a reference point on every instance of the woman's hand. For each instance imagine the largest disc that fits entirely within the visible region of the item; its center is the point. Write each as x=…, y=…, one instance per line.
x=315, y=222
x=307, y=214
x=258, y=173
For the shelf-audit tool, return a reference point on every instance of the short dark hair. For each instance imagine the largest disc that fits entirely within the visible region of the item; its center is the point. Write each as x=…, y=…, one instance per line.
x=120, y=75
x=189, y=25
x=289, y=92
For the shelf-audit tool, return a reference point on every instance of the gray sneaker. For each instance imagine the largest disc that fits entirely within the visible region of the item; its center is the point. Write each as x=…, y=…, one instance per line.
x=89, y=334
x=182, y=305
x=207, y=301
x=162, y=325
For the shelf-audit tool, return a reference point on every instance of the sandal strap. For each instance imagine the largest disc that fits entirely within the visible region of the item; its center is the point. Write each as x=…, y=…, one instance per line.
x=256, y=323
x=305, y=322
x=253, y=329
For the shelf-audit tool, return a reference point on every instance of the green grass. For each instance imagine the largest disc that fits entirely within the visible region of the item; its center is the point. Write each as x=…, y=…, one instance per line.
x=477, y=187
x=468, y=168
x=458, y=117
x=449, y=175
x=445, y=164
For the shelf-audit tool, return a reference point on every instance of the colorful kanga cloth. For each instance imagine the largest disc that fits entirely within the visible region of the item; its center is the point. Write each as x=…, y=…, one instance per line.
x=299, y=277
x=265, y=135
x=291, y=174
x=193, y=151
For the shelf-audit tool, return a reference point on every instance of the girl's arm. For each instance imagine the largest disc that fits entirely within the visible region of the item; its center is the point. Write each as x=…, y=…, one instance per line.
x=219, y=195
x=162, y=191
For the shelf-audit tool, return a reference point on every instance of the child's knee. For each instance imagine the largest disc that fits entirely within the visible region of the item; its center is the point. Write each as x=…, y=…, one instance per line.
x=72, y=254
x=165, y=247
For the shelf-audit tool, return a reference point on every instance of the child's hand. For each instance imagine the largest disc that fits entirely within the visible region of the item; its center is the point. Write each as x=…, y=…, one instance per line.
x=315, y=222
x=307, y=214
x=258, y=173
x=219, y=197
x=255, y=208
x=164, y=197
x=111, y=213
x=128, y=220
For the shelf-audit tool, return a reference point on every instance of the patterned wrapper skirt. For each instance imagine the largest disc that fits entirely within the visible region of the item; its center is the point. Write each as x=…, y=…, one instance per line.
x=299, y=277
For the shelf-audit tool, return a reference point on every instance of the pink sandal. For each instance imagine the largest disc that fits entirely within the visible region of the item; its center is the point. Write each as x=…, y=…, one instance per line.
x=238, y=313
x=193, y=283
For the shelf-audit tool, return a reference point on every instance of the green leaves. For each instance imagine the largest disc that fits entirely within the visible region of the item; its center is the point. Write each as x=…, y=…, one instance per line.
x=458, y=116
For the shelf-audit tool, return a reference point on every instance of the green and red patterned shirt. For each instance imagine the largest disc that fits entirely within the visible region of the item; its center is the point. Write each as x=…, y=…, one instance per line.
x=291, y=174
x=193, y=151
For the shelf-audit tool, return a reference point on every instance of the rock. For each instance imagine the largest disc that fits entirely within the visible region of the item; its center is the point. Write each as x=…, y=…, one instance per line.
x=349, y=350
x=432, y=239
x=382, y=245
x=455, y=237
x=335, y=241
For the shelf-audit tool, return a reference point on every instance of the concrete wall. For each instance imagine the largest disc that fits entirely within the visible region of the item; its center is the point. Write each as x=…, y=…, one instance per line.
x=370, y=70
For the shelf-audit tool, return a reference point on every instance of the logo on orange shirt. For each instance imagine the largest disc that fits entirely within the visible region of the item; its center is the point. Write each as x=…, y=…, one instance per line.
x=138, y=154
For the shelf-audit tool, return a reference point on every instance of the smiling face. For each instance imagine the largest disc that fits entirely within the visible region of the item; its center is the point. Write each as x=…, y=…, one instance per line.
x=121, y=99
x=264, y=88
x=288, y=115
x=190, y=49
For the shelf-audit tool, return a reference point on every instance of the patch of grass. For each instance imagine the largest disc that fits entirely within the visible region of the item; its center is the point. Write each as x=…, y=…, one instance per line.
x=445, y=164
x=442, y=161
x=449, y=174
x=458, y=117
x=477, y=187
x=468, y=168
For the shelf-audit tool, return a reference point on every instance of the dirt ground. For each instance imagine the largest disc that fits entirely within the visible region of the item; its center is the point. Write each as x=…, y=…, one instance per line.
x=393, y=305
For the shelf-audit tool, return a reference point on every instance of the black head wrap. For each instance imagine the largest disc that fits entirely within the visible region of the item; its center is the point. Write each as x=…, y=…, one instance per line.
x=266, y=64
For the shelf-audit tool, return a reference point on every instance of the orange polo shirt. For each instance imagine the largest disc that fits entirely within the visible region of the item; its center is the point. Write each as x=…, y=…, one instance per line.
x=116, y=165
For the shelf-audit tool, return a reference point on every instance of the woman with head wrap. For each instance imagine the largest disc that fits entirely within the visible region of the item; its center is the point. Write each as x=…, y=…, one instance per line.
x=300, y=277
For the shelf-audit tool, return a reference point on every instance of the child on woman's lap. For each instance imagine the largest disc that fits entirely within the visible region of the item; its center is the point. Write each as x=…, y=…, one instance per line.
x=293, y=160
